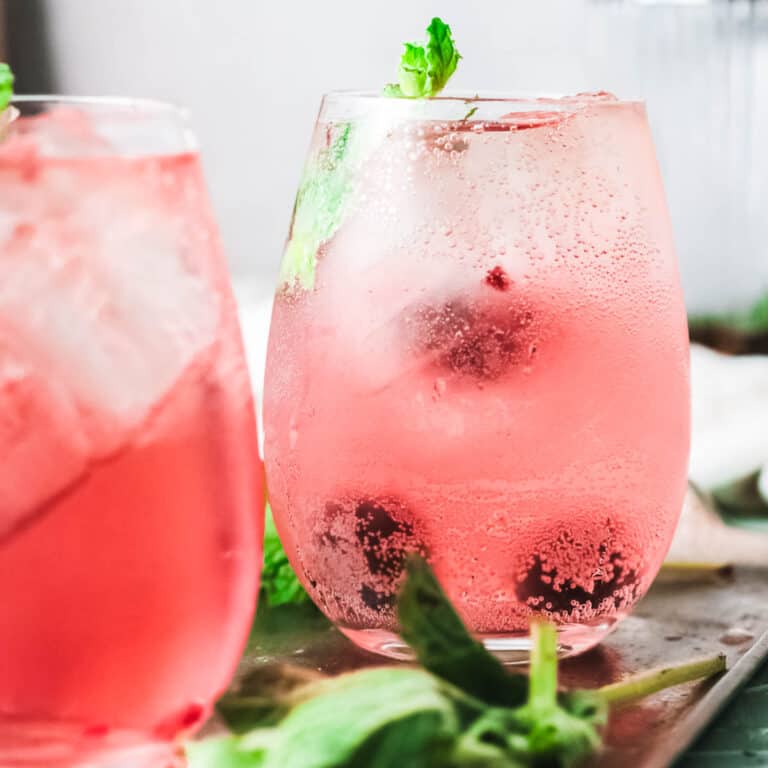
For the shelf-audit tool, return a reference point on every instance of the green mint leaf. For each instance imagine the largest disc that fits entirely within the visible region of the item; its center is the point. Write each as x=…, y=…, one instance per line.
x=6, y=85
x=279, y=583
x=442, y=56
x=469, y=114
x=335, y=725
x=420, y=740
x=413, y=71
x=319, y=207
x=425, y=69
x=433, y=629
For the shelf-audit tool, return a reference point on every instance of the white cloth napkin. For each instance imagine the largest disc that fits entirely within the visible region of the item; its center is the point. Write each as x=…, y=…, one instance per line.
x=729, y=398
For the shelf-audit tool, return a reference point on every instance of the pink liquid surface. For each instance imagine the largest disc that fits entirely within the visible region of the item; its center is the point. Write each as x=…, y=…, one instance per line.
x=131, y=498
x=491, y=369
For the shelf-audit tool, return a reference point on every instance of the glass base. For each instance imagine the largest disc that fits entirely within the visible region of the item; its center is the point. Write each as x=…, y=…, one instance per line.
x=48, y=745
x=512, y=648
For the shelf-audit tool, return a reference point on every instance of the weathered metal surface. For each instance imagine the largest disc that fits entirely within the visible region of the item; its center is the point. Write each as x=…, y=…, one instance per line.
x=676, y=621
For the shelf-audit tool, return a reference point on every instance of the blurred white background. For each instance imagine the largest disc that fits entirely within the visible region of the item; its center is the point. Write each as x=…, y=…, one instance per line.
x=252, y=74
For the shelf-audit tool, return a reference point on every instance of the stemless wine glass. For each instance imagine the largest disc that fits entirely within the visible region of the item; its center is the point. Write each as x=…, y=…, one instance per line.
x=130, y=486
x=479, y=352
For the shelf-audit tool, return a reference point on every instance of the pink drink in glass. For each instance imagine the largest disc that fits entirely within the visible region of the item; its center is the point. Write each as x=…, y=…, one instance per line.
x=488, y=365
x=130, y=492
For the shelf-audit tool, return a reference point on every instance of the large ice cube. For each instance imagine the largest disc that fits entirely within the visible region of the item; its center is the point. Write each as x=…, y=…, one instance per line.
x=104, y=305
x=118, y=319
x=44, y=448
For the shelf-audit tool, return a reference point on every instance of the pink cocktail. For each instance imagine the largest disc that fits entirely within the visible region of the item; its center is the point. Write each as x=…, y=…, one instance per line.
x=130, y=488
x=479, y=352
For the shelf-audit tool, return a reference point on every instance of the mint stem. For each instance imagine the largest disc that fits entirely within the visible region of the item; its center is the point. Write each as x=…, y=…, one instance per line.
x=645, y=683
x=543, y=673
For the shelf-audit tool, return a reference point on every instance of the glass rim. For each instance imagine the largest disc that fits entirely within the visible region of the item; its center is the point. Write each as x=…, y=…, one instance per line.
x=522, y=98
x=156, y=106
x=136, y=127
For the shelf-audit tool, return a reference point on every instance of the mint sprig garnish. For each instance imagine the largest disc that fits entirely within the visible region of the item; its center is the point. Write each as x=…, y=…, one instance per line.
x=461, y=710
x=425, y=69
x=327, y=184
x=6, y=85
